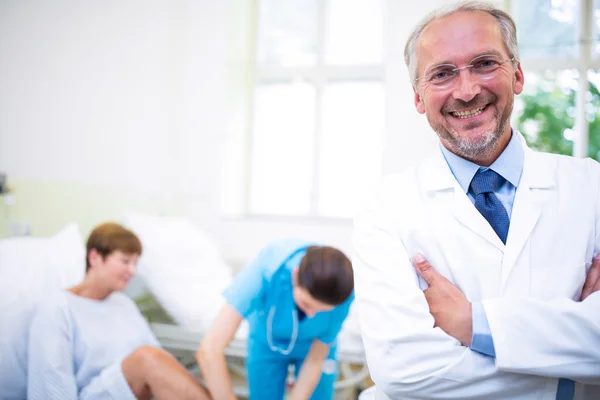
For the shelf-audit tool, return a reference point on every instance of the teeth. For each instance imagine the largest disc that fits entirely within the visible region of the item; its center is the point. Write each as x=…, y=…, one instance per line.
x=469, y=113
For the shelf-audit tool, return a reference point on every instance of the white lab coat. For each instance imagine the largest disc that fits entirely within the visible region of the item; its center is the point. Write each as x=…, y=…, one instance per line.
x=528, y=287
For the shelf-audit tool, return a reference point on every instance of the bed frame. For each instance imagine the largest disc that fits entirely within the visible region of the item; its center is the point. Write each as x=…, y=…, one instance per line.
x=183, y=343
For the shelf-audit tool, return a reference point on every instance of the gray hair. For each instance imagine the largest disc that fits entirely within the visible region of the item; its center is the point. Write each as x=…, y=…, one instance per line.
x=506, y=23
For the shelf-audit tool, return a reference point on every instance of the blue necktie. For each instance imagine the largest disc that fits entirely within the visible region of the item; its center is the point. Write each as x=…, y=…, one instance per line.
x=483, y=186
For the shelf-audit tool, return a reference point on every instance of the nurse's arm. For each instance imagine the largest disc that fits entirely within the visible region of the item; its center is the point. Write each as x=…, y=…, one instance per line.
x=310, y=372
x=211, y=353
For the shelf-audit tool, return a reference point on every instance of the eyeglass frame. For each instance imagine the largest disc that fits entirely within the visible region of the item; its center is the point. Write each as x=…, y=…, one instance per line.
x=469, y=67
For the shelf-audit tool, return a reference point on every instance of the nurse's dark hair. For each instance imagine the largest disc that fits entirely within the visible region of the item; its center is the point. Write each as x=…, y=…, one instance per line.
x=110, y=237
x=326, y=273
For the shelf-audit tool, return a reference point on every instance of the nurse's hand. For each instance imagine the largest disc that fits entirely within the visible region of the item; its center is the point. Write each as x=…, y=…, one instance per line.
x=449, y=307
x=592, y=281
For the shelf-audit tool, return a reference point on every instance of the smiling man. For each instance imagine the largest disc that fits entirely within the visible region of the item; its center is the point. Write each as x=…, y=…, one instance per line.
x=477, y=270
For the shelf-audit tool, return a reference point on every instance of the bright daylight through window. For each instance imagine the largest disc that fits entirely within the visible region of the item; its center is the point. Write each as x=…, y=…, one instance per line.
x=559, y=110
x=318, y=106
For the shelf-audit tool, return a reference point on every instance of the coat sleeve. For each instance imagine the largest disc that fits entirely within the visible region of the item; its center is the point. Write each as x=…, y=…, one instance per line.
x=407, y=356
x=528, y=333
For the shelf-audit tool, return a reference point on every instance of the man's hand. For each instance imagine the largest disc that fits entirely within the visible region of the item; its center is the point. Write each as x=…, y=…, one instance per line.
x=447, y=304
x=592, y=282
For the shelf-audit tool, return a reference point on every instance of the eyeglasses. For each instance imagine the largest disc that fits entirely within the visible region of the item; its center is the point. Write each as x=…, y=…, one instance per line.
x=444, y=75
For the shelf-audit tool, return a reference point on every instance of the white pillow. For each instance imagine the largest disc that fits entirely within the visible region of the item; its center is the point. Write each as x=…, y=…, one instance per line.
x=182, y=267
x=31, y=267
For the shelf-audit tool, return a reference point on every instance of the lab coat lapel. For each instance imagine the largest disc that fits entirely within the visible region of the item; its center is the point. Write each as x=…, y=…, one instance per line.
x=536, y=186
x=438, y=178
x=466, y=214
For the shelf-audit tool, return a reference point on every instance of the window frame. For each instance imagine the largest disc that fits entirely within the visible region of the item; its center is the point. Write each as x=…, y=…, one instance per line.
x=585, y=61
x=318, y=75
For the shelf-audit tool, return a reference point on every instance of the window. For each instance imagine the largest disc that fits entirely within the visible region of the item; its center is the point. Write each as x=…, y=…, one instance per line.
x=559, y=110
x=317, y=107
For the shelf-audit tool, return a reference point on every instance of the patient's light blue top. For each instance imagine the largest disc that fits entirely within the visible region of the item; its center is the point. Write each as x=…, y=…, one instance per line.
x=14, y=333
x=262, y=293
x=74, y=340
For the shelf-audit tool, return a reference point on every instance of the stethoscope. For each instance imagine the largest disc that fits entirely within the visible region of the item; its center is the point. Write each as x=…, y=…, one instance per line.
x=292, y=343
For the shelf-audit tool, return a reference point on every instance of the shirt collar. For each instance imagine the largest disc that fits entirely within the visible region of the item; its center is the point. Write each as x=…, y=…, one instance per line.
x=509, y=164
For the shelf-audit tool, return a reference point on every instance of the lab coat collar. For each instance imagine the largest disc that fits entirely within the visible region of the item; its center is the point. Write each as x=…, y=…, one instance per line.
x=536, y=185
x=436, y=175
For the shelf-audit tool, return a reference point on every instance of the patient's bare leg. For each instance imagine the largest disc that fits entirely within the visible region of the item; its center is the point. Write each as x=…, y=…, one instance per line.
x=152, y=372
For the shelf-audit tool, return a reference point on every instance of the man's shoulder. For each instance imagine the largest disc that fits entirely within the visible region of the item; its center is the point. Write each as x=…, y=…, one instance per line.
x=565, y=164
x=411, y=178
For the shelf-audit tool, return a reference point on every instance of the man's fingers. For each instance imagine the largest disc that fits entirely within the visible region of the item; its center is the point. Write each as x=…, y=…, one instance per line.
x=592, y=279
x=424, y=269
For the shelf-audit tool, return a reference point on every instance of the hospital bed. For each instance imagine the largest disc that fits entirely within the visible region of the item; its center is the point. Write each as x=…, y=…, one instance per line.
x=181, y=276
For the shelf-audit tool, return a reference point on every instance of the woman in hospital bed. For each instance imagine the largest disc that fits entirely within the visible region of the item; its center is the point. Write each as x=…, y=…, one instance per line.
x=91, y=342
x=295, y=295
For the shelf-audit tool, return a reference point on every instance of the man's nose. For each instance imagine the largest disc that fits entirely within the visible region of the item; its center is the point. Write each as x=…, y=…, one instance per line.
x=467, y=86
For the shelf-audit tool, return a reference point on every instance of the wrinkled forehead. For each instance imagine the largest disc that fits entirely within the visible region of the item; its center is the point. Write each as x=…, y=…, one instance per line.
x=458, y=38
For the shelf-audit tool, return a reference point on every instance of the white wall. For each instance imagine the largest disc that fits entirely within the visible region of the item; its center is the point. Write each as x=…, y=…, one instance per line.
x=133, y=96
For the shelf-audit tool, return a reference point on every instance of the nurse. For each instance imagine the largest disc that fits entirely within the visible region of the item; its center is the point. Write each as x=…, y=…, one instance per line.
x=295, y=296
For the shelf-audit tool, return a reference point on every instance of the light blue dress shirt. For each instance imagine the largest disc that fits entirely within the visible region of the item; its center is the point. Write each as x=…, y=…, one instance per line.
x=510, y=166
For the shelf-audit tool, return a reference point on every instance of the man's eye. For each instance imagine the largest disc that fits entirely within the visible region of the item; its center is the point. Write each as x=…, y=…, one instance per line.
x=440, y=75
x=485, y=64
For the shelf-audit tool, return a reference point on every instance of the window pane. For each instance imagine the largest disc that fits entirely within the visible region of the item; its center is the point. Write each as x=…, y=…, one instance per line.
x=596, y=44
x=547, y=28
x=351, y=145
x=287, y=32
x=545, y=111
x=354, y=32
x=283, y=149
x=594, y=115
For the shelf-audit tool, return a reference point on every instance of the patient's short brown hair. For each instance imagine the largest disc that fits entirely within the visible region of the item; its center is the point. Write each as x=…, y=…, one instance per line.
x=110, y=237
x=327, y=274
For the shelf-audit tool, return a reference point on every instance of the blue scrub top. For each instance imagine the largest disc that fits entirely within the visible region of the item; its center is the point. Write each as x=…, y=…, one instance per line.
x=266, y=284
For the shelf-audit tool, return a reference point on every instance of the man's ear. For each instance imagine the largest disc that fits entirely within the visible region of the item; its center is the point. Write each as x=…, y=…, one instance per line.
x=419, y=104
x=519, y=79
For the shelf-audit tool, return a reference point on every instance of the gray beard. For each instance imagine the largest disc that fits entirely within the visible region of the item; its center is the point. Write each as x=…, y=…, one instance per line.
x=477, y=149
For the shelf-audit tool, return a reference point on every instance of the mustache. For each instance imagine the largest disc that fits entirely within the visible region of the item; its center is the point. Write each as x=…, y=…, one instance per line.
x=477, y=102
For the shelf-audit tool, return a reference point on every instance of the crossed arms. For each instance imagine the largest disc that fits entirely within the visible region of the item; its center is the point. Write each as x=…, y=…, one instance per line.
x=414, y=354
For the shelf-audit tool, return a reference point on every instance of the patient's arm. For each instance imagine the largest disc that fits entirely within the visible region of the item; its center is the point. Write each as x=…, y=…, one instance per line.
x=310, y=373
x=211, y=353
x=50, y=359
